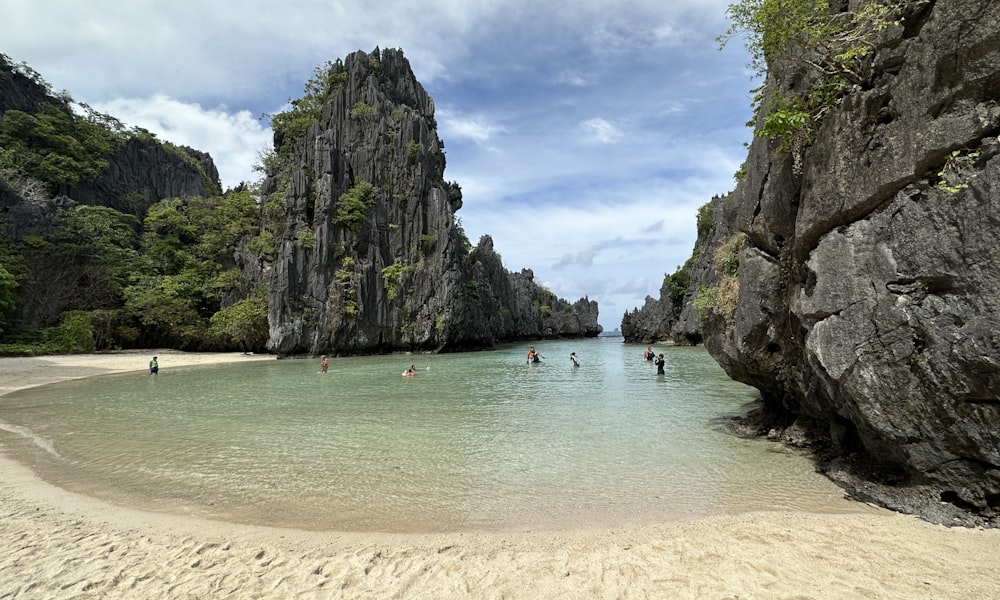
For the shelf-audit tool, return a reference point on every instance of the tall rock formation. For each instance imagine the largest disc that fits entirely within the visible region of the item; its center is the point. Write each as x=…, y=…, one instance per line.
x=371, y=256
x=867, y=301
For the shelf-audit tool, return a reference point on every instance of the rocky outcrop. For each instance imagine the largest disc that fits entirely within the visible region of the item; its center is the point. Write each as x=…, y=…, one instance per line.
x=513, y=307
x=371, y=256
x=18, y=91
x=144, y=171
x=140, y=171
x=669, y=319
x=672, y=318
x=868, y=300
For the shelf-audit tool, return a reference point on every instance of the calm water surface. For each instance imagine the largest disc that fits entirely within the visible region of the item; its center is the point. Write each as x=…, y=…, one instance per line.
x=475, y=440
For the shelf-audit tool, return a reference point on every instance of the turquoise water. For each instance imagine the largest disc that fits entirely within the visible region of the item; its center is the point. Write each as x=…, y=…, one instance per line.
x=474, y=440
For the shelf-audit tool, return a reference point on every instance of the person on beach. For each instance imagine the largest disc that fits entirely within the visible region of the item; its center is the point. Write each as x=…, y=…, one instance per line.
x=324, y=364
x=154, y=366
x=649, y=354
x=572, y=357
x=659, y=361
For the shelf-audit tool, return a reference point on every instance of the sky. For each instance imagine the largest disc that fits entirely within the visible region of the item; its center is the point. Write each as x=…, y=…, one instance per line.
x=584, y=134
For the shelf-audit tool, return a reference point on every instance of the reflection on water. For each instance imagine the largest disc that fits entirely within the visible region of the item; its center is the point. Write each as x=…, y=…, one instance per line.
x=475, y=440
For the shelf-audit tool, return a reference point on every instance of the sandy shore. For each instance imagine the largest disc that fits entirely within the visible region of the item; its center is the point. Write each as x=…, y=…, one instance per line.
x=56, y=544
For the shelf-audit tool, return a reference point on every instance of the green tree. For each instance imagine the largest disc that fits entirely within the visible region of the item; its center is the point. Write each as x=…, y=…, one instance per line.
x=74, y=334
x=166, y=308
x=392, y=277
x=83, y=263
x=7, y=298
x=362, y=111
x=830, y=45
x=353, y=205
x=55, y=146
x=190, y=244
x=111, y=236
x=291, y=124
x=243, y=323
x=810, y=33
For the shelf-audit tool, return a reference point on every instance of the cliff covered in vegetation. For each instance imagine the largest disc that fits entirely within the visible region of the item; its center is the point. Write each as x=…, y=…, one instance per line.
x=849, y=277
x=369, y=255
x=110, y=238
x=96, y=224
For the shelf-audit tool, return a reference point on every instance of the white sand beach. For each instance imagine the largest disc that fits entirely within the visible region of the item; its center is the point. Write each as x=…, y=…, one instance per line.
x=58, y=544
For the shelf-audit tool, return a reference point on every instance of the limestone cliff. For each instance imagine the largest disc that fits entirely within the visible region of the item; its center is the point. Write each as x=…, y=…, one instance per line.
x=136, y=171
x=866, y=305
x=371, y=257
x=143, y=171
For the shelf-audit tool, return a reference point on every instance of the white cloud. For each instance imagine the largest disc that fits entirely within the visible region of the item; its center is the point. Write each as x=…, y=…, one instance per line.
x=574, y=78
x=601, y=130
x=477, y=128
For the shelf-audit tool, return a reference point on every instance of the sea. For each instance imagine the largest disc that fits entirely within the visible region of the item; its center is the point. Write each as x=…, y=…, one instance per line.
x=474, y=441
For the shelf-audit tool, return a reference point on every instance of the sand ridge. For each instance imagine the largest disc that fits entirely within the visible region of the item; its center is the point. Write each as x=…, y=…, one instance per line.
x=57, y=544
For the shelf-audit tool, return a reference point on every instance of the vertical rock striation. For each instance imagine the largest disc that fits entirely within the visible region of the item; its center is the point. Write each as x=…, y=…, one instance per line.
x=371, y=256
x=144, y=171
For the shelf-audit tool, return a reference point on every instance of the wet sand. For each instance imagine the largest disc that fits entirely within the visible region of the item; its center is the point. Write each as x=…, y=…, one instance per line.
x=57, y=544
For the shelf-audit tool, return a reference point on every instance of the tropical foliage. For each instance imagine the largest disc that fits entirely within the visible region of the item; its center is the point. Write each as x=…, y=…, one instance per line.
x=101, y=275
x=832, y=46
x=353, y=205
x=303, y=112
x=721, y=299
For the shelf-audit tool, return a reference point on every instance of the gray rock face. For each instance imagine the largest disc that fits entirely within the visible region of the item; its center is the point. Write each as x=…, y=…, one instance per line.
x=672, y=318
x=869, y=299
x=18, y=92
x=669, y=319
x=144, y=171
x=401, y=275
x=139, y=173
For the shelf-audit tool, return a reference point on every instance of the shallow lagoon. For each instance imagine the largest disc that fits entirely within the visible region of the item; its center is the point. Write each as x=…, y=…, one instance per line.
x=475, y=440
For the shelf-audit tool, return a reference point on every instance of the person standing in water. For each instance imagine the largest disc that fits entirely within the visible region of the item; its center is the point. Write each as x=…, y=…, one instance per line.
x=534, y=356
x=324, y=364
x=649, y=354
x=572, y=357
x=154, y=366
x=659, y=362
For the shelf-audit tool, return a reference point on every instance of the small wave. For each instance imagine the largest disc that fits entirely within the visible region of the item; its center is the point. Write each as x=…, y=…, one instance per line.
x=37, y=440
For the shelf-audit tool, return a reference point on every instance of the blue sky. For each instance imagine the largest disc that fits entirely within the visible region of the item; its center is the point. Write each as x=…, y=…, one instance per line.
x=584, y=134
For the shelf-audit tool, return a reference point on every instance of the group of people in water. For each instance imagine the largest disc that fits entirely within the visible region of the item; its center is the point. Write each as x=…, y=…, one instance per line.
x=534, y=356
x=657, y=359
x=324, y=367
